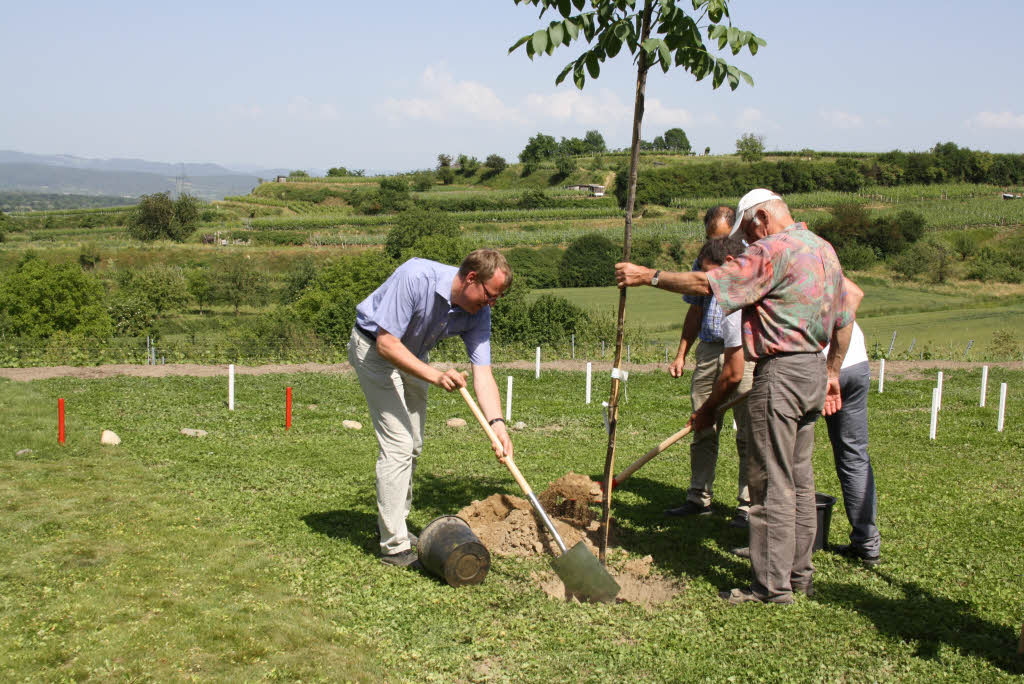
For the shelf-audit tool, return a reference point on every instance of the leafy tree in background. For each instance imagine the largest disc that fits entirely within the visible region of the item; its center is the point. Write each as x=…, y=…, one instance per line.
x=158, y=217
x=416, y=223
x=750, y=147
x=298, y=173
x=444, y=161
x=201, y=286
x=539, y=148
x=572, y=147
x=565, y=166
x=163, y=286
x=40, y=299
x=423, y=180
x=341, y=171
x=595, y=142
x=675, y=139
x=329, y=303
x=239, y=282
x=495, y=164
x=659, y=143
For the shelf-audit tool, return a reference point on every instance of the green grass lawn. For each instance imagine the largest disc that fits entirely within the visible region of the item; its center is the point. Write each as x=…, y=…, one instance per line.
x=251, y=553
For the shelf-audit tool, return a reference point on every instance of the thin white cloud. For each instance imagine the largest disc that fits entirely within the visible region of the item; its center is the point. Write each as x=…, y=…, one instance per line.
x=604, y=107
x=752, y=119
x=840, y=119
x=446, y=99
x=999, y=120
x=304, y=109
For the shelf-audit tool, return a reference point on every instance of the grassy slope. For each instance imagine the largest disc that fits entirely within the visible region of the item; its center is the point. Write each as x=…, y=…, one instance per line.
x=249, y=554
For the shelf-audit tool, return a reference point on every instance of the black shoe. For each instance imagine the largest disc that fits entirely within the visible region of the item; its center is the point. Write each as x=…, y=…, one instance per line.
x=857, y=553
x=402, y=559
x=414, y=540
x=741, y=551
x=805, y=589
x=689, y=508
x=741, y=520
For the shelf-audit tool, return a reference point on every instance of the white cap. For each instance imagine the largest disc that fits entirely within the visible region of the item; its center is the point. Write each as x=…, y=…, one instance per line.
x=751, y=199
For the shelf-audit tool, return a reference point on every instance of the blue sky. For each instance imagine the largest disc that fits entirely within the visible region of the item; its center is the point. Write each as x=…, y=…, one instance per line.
x=388, y=86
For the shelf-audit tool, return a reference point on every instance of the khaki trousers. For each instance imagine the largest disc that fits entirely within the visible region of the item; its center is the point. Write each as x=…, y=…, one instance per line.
x=398, y=408
x=786, y=400
x=709, y=358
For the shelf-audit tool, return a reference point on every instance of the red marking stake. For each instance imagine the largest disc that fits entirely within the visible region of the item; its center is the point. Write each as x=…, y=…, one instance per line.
x=288, y=408
x=60, y=421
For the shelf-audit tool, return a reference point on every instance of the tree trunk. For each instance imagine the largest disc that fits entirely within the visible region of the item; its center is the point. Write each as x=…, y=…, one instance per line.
x=634, y=162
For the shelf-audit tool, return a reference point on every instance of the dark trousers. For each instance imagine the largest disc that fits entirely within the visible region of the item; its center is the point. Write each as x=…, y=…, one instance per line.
x=786, y=399
x=848, y=431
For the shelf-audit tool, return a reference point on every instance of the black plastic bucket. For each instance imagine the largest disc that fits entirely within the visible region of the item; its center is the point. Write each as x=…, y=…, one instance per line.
x=824, y=504
x=449, y=549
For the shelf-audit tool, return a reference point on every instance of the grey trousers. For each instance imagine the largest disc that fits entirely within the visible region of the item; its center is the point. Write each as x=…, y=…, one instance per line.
x=785, y=402
x=848, y=432
x=398, y=408
x=709, y=358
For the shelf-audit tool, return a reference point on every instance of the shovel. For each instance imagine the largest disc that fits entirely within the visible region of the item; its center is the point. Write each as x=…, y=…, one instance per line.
x=580, y=571
x=669, y=441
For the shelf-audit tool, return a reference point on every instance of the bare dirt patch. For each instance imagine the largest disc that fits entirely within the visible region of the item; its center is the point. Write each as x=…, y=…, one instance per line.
x=508, y=526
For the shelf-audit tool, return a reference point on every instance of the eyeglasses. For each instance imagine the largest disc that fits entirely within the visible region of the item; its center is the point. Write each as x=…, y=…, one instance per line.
x=491, y=297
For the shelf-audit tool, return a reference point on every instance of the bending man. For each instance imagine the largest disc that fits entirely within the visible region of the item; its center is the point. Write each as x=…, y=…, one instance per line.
x=421, y=303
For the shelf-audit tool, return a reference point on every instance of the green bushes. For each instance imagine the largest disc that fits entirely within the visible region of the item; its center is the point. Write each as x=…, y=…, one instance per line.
x=328, y=305
x=850, y=227
x=417, y=223
x=40, y=299
x=538, y=268
x=589, y=261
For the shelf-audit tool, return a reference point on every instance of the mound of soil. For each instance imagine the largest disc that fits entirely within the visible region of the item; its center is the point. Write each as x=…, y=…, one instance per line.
x=640, y=585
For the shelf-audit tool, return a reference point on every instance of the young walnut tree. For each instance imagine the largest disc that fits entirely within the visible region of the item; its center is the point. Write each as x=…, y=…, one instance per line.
x=656, y=32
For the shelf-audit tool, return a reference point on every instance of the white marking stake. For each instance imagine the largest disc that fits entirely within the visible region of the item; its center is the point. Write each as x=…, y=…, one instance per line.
x=939, y=387
x=984, y=384
x=881, y=377
x=590, y=370
x=231, y=387
x=1002, y=406
x=508, y=400
x=537, y=375
x=935, y=413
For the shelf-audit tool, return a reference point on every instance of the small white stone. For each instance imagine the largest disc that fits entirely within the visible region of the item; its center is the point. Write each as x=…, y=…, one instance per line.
x=312, y=407
x=193, y=432
x=23, y=452
x=352, y=424
x=520, y=425
x=109, y=438
x=456, y=422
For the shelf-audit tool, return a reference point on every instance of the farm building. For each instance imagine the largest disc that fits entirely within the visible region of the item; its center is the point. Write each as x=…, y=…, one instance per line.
x=595, y=190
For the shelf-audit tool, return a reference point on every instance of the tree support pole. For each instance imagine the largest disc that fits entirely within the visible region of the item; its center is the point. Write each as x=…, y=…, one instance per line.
x=634, y=162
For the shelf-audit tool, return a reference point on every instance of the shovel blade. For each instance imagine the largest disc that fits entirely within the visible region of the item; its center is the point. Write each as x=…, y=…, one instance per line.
x=584, y=576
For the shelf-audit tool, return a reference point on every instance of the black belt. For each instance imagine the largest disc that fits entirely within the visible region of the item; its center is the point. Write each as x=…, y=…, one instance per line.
x=372, y=337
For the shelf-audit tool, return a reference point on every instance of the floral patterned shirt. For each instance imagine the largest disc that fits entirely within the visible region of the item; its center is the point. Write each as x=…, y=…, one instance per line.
x=791, y=289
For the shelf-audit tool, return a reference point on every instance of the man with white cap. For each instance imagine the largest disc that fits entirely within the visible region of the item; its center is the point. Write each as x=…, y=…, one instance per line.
x=791, y=289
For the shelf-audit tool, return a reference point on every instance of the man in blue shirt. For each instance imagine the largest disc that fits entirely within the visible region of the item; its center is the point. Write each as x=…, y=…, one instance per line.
x=704, y=321
x=421, y=303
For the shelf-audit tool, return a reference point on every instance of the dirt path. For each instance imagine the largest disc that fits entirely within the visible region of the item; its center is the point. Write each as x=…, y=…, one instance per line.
x=912, y=370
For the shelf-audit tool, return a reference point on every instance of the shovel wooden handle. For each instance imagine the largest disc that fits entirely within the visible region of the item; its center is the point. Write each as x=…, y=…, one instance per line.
x=669, y=441
x=507, y=460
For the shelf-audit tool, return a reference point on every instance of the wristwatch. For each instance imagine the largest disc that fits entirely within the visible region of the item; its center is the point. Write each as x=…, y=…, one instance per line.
x=654, y=279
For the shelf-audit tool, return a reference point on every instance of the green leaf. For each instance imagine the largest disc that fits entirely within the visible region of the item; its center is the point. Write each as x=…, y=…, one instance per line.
x=664, y=55
x=539, y=41
x=577, y=76
x=556, y=34
x=613, y=46
x=571, y=28
x=746, y=77
x=564, y=7
x=719, y=75
x=518, y=43
x=565, y=72
x=593, y=66
x=578, y=4
x=734, y=77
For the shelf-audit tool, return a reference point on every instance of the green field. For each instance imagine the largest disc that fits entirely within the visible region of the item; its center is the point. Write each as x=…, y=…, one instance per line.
x=250, y=554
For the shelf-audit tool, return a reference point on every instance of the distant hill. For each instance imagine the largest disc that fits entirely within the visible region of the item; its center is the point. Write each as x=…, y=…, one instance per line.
x=54, y=178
